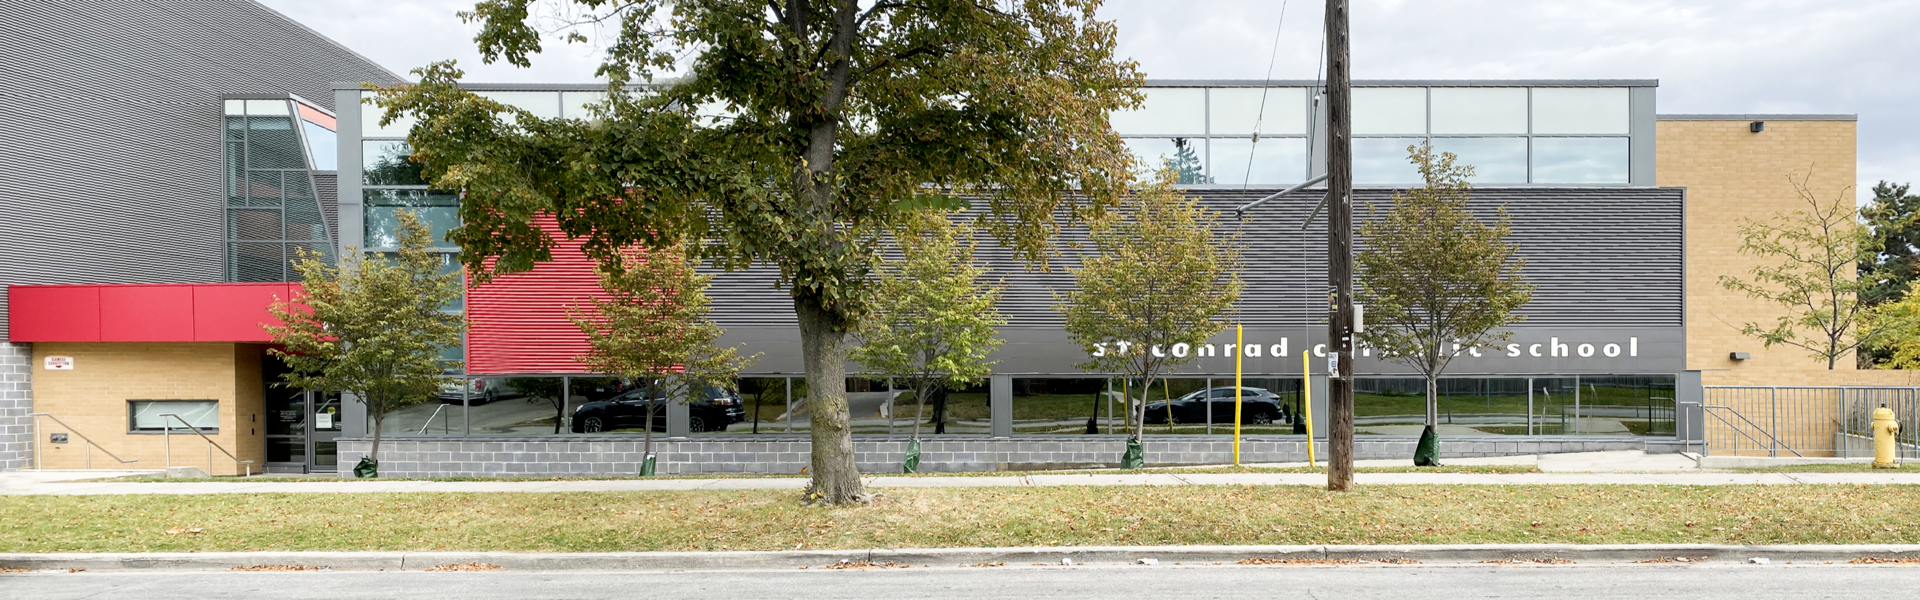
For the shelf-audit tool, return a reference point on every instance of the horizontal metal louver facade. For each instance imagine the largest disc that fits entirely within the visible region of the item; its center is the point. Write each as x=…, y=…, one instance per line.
x=1601, y=257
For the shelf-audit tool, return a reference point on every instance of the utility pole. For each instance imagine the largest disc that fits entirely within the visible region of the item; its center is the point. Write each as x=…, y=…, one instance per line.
x=1340, y=251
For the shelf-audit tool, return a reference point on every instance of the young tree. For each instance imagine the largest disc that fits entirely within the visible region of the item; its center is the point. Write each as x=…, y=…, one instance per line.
x=833, y=112
x=1815, y=277
x=652, y=329
x=1436, y=280
x=372, y=327
x=933, y=320
x=1157, y=284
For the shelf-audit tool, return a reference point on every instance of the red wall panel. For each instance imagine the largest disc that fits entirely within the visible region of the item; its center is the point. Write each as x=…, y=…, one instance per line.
x=519, y=323
x=146, y=313
x=45, y=313
x=236, y=313
x=186, y=312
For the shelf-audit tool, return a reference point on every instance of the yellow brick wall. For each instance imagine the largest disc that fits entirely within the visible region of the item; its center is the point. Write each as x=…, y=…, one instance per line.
x=92, y=398
x=1733, y=174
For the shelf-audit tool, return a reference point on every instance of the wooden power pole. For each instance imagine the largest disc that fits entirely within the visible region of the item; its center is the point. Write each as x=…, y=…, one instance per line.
x=1339, y=250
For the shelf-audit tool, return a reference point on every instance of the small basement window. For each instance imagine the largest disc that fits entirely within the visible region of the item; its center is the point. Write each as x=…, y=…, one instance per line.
x=144, y=416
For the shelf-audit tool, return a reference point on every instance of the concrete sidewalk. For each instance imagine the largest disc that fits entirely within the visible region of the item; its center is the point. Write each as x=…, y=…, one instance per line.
x=1598, y=468
x=1651, y=555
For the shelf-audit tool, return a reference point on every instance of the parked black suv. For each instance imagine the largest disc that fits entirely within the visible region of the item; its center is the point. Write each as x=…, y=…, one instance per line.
x=1258, y=407
x=715, y=409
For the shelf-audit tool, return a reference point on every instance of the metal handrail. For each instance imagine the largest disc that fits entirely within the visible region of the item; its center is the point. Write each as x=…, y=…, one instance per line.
x=1773, y=449
x=38, y=464
x=429, y=423
x=167, y=434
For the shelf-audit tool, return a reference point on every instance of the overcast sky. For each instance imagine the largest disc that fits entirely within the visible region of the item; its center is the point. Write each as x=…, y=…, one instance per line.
x=1710, y=56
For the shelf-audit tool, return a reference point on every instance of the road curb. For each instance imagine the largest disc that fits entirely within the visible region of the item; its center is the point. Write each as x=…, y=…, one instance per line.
x=954, y=557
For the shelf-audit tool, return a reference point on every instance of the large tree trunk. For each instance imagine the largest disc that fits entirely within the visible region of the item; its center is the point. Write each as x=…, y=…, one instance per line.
x=823, y=340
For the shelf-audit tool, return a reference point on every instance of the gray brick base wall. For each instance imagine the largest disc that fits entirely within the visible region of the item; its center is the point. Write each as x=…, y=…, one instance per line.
x=593, y=455
x=16, y=401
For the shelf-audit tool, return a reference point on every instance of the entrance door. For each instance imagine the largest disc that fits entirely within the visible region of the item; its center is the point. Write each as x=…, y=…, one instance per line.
x=301, y=429
x=287, y=413
x=322, y=454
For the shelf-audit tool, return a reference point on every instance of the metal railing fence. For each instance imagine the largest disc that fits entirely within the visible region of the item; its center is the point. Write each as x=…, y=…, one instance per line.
x=1812, y=421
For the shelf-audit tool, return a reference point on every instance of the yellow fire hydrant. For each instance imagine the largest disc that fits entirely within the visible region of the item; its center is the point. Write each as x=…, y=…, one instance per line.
x=1884, y=428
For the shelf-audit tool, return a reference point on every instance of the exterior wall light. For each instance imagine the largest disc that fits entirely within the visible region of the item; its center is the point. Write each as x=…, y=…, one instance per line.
x=1757, y=126
x=1739, y=356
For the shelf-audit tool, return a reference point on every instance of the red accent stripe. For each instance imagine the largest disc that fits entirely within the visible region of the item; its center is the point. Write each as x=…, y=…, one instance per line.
x=172, y=312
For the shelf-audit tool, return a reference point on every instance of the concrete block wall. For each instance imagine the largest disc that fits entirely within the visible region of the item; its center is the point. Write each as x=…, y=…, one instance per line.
x=610, y=456
x=16, y=402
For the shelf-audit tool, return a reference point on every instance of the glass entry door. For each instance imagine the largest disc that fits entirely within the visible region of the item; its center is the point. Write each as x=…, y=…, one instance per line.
x=287, y=412
x=301, y=429
x=322, y=454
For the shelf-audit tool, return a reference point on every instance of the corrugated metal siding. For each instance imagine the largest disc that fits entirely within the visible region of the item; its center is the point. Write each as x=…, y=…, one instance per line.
x=110, y=156
x=1601, y=257
x=519, y=323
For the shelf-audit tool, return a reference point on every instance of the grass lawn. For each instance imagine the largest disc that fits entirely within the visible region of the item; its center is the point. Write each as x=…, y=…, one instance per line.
x=909, y=518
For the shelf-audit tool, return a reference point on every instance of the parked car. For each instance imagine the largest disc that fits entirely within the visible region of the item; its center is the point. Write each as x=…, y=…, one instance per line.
x=480, y=390
x=712, y=410
x=1258, y=406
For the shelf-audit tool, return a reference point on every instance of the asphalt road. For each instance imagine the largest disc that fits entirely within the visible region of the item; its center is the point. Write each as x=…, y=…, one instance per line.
x=1744, y=582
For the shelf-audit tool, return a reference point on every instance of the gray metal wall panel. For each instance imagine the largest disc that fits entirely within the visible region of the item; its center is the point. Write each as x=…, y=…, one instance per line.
x=110, y=156
x=1643, y=153
x=1602, y=257
x=326, y=187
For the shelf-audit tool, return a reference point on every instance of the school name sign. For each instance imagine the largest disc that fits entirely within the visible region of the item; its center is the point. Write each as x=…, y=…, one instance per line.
x=1552, y=347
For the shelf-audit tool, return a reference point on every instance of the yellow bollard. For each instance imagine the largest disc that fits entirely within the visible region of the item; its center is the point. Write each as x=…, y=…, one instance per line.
x=1884, y=428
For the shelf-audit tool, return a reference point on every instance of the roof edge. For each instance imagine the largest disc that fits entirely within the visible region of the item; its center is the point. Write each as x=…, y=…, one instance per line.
x=1758, y=117
x=1173, y=83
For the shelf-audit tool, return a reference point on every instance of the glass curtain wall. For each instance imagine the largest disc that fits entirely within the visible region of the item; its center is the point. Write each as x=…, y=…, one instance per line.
x=1220, y=135
x=272, y=147
x=1510, y=135
x=1604, y=405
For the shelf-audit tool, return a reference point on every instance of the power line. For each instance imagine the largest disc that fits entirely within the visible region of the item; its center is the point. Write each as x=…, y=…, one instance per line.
x=1261, y=115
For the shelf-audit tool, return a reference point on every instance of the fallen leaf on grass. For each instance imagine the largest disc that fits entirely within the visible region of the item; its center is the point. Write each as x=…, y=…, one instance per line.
x=276, y=568
x=180, y=530
x=472, y=566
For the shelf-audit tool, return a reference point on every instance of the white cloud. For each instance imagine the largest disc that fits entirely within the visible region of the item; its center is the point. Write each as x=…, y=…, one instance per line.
x=1722, y=56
